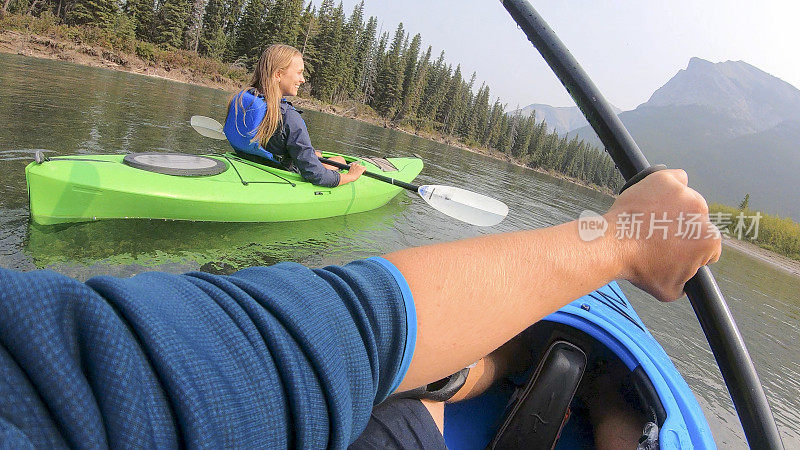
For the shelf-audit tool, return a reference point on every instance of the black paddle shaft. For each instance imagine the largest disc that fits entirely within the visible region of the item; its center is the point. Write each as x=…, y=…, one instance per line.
x=385, y=179
x=709, y=305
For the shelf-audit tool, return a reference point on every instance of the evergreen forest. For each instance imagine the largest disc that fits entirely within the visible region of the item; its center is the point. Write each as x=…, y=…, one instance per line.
x=348, y=59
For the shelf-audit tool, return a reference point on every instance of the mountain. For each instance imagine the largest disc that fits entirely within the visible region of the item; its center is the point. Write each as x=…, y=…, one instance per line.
x=733, y=88
x=733, y=127
x=559, y=118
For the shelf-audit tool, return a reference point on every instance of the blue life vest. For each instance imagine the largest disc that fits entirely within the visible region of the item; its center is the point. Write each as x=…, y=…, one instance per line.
x=245, y=114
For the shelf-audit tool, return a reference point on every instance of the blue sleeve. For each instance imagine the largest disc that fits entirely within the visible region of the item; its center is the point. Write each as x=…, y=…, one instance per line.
x=273, y=357
x=298, y=144
x=245, y=114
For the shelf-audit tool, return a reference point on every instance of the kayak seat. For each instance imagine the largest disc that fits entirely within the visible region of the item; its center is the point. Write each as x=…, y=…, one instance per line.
x=536, y=416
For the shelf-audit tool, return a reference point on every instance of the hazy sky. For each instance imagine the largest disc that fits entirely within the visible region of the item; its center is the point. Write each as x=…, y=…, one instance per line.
x=629, y=48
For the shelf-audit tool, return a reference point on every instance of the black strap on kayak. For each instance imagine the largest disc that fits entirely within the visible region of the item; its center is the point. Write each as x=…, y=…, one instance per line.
x=709, y=305
x=438, y=391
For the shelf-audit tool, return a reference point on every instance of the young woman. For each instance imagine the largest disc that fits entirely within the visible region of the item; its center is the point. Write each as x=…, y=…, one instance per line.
x=261, y=122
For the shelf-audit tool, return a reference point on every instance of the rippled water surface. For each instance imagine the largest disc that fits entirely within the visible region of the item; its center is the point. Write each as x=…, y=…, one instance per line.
x=62, y=108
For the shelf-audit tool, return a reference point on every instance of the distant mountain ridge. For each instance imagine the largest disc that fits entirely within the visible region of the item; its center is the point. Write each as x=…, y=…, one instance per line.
x=560, y=119
x=732, y=126
x=733, y=88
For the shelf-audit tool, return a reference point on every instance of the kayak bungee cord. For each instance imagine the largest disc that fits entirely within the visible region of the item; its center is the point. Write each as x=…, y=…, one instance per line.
x=227, y=158
x=712, y=312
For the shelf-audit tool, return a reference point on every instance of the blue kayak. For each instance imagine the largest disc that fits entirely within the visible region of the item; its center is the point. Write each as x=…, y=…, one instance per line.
x=604, y=327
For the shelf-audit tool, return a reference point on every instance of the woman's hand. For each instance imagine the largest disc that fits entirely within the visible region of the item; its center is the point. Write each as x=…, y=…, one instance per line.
x=355, y=171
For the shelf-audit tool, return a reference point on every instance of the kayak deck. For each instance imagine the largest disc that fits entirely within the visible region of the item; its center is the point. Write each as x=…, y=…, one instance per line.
x=92, y=187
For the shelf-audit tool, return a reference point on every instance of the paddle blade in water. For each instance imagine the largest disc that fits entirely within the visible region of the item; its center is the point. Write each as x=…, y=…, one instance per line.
x=208, y=127
x=464, y=205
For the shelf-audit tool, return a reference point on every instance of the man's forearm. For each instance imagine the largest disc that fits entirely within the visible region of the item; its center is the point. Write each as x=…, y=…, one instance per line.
x=472, y=296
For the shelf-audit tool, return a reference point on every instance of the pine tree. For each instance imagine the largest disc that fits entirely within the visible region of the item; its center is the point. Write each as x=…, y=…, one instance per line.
x=140, y=13
x=99, y=13
x=523, y=136
x=745, y=204
x=480, y=114
x=191, y=36
x=348, y=57
x=233, y=12
x=559, y=153
x=249, y=44
x=593, y=164
x=495, y=120
x=467, y=123
x=357, y=48
x=535, y=153
x=212, y=41
x=383, y=42
x=412, y=101
x=409, y=76
x=504, y=137
x=365, y=70
x=171, y=21
x=304, y=30
x=453, y=105
x=390, y=76
x=549, y=149
x=282, y=22
x=435, y=88
x=325, y=79
x=569, y=160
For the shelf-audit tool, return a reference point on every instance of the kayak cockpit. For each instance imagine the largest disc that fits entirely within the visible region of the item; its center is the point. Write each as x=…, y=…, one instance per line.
x=475, y=423
x=591, y=360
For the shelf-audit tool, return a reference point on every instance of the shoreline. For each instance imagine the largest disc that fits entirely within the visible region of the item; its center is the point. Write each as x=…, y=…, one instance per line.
x=792, y=266
x=37, y=46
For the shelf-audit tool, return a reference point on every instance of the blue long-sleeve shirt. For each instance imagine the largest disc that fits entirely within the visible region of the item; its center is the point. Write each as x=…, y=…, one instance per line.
x=271, y=357
x=290, y=145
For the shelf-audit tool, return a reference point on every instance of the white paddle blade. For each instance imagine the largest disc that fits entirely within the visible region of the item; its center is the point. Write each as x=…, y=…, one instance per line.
x=466, y=206
x=208, y=127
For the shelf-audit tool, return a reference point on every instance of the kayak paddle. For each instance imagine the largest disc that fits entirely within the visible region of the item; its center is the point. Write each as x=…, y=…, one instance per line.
x=704, y=294
x=461, y=204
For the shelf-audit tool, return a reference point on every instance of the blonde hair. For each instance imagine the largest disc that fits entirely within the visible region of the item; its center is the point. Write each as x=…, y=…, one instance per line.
x=274, y=58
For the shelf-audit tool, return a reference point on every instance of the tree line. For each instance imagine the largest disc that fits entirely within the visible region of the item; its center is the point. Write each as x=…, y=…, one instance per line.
x=347, y=59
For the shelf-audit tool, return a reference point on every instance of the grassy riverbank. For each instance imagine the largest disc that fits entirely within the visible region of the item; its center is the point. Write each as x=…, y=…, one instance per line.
x=45, y=37
x=777, y=234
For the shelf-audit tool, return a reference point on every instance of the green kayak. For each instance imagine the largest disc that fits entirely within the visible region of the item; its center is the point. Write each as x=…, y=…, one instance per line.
x=220, y=188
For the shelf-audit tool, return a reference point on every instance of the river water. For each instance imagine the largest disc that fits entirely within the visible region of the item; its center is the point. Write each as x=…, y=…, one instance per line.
x=61, y=108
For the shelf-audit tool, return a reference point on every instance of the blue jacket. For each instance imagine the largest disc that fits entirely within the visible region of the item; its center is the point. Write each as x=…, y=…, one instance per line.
x=269, y=357
x=290, y=145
